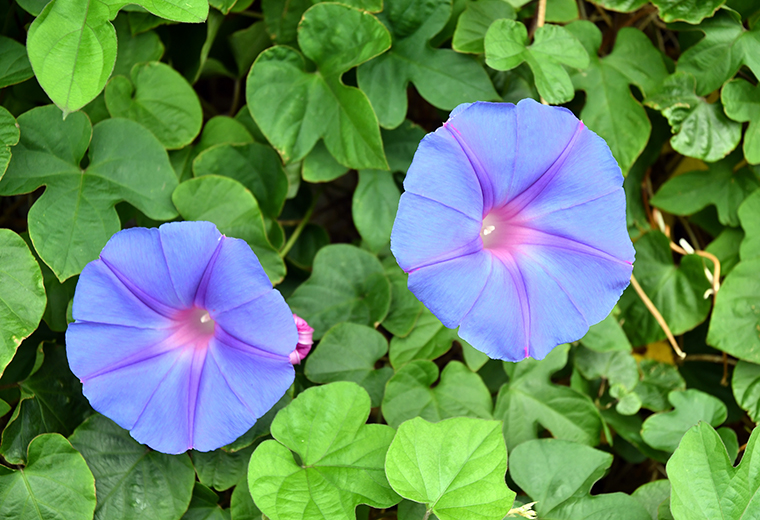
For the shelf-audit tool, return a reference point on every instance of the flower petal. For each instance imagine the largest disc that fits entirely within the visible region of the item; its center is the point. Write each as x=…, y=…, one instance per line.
x=587, y=172
x=236, y=388
x=188, y=248
x=233, y=278
x=449, y=289
x=497, y=324
x=136, y=257
x=593, y=282
x=514, y=145
x=90, y=353
x=599, y=224
x=555, y=318
x=442, y=172
x=426, y=232
x=102, y=298
x=135, y=396
x=265, y=322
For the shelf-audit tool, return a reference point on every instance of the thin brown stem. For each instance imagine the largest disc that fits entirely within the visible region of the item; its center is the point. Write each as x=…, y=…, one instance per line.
x=657, y=316
x=711, y=358
x=704, y=254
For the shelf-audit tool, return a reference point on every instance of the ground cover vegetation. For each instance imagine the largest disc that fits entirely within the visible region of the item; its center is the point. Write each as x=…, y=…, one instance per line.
x=291, y=124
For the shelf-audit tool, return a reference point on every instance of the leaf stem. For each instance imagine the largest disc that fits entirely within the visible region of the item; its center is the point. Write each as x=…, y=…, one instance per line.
x=301, y=225
x=427, y=514
x=657, y=316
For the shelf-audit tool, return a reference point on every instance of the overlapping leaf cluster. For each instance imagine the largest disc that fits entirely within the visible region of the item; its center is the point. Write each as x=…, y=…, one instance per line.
x=290, y=124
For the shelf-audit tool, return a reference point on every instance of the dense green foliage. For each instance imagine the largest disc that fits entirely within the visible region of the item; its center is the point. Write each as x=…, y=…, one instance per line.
x=290, y=124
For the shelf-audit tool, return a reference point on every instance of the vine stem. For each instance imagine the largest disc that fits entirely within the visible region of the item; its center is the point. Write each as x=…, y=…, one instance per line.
x=427, y=514
x=540, y=20
x=301, y=225
x=541, y=13
x=657, y=316
x=704, y=254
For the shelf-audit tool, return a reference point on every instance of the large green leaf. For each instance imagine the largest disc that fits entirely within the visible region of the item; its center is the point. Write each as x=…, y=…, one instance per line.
x=204, y=505
x=55, y=483
x=678, y=292
x=441, y=76
x=160, y=99
x=553, y=46
x=719, y=185
x=220, y=469
x=234, y=210
x=347, y=284
x=704, y=483
x=9, y=135
x=530, y=399
x=340, y=458
x=51, y=402
x=348, y=352
x=611, y=110
x=558, y=475
x=133, y=481
x=454, y=467
x=428, y=339
x=72, y=221
x=727, y=46
x=22, y=295
x=736, y=317
x=134, y=49
x=72, y=44
x=374, y=207
x=254, y=165
x=691, y=11
x=474, y=22
x=72, y=49
x=744, y=383
x=14, y=63
x=657, y=381
x=241, y=503
x=460, y=392
x=741, y=101
x=663, y=431
x=701, y=129
x=405, y=308
x=295, y=108
x=655, y=497
x=607, y=335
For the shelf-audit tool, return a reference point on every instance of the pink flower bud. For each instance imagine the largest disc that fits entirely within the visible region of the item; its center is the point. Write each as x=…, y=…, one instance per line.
x=305, y=341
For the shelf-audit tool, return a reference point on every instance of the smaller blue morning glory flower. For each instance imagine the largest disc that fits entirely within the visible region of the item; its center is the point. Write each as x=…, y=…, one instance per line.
x=179, y=336
x=512, y=226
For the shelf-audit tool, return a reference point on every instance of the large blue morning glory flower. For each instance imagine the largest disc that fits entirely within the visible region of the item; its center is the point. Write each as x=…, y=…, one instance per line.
x=512, y=227
x=179, y=336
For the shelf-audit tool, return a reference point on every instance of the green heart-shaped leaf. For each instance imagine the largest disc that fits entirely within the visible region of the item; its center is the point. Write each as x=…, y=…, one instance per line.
x=454, y=467
x=340, y=458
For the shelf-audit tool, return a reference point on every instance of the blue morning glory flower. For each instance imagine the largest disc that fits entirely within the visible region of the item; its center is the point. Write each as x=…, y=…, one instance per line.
x=512, y=227
x=179, y=336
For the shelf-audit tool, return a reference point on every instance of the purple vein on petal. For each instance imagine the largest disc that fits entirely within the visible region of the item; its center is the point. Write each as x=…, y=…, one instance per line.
x=155, y=389
x=486, y=186
x=224, y=377
x=470, y=248
x=197, y=365
x=545, y=238
x=445, y=206
x=522, y=220
x=200, y=293
x=529, y=194
x=168, y=269
x=235, y=343
x=149, y=301
x=480, y=293
x=560, y=285
x=522, y=295
x=134, y=359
